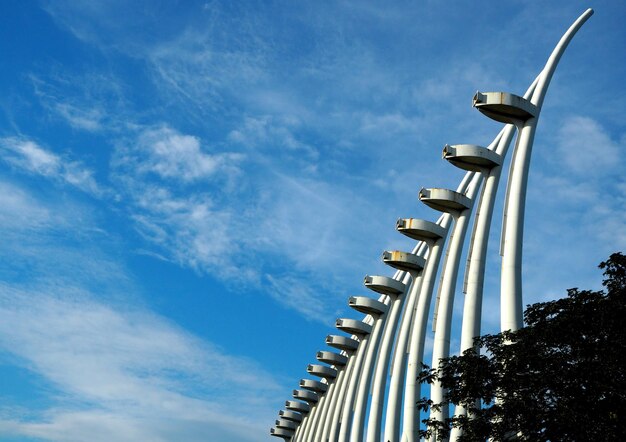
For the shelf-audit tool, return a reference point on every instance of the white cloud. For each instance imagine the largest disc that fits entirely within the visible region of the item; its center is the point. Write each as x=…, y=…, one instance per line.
x=273, y=134
x=18, y=210
x=48, y=238
x=243, y=230
x=311, y=221
x=586, y=147
x=174, y=191
x=104, y=426
x=112, y=370
x=297, y=294
x=127, y=368
x=91, y=102
x=241, y=220
x=86, y=119
x=172, y=155
x=197, y=234
x=581, y=187
x=30, y=156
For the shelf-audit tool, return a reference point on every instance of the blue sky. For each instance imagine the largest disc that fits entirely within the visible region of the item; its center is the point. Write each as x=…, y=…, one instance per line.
x=189, y=191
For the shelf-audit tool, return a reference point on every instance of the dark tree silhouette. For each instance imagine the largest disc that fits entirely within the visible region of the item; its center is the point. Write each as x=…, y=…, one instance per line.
x=560, y=378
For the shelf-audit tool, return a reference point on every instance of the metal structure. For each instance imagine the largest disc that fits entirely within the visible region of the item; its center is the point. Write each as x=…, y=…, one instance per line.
x=355, y=399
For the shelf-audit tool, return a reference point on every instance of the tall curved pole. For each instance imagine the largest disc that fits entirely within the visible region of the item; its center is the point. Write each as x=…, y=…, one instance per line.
x=333, y=414
x=423, y=248
x=477, y=255
x=317, y=411
x=342, y=418
x=513, y=234
x=443, y=323
x=354, y=429
x=326, y=406
x=417, y=342
x=398, y=323
x=381, y=361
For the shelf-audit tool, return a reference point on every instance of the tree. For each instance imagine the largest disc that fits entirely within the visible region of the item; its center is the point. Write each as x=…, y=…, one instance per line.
x=560, y=378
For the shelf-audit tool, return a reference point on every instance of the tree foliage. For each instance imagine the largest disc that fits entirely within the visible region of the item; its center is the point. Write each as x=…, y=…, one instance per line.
x=560, y=378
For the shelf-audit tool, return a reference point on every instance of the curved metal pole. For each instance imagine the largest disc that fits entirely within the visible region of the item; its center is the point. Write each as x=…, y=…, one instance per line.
x=399, y=322
x=474, y=274
x=401, y=351
x=416, y=350
x=319, y=424
x=322, y=424
x=511, y=290
x=306, y=425
x=312, y=419
x=477, y=257
x=318, y=412
x=418, y=338
x=334, y=411
x=511, y=279
x=382, y=365
x=296, y=434
x=304, y=428
x=299, y=433
x=443, y=327
x=343, y=419
x=354, y=431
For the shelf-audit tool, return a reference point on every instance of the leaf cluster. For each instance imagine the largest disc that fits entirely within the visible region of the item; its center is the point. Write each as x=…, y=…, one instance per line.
x=560, y=378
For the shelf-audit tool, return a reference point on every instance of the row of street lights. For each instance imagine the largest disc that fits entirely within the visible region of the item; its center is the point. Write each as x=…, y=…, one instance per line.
x=353, y=392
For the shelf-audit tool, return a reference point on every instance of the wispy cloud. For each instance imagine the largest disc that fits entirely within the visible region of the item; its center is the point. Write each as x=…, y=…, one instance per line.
x=272, y=134
x=31, y=157
x=576, y=205
x=191, y=229
x=251, y=215
x=18, y=210
x=129, y=367
x=296, y=293
x=335, y=126
x=586, y=148
x=114, y=370
x=172, y=155
x=89, y=101
x=87, y=119
x=165, y=177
